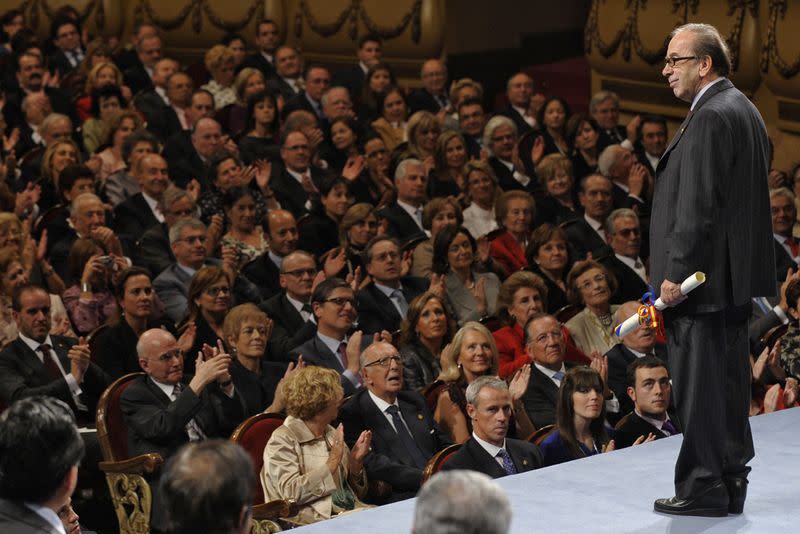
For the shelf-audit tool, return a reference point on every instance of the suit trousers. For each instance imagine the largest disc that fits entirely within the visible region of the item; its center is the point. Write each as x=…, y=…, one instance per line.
x=711, y=375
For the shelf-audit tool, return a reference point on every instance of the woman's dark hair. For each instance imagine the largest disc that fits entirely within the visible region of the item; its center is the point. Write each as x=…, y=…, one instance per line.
x=574, y=126
x=202, y=280
x=368, y=96
x=408, y=329
x=107, y=91
x=386, y=92
x=540, y=113
x=329, y=183
x=351, y=123
x=71, y=174
x=578, y=379
x=255, y=99
x=139, y=136
x=234, y=194
x=228, y=38
x=441, y=247
x=543, y=234
x=124, y=276
x=218, y=158
x=80, y=252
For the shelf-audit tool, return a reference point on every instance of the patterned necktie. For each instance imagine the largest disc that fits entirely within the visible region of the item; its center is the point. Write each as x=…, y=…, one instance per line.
x=559, y=375
x=669, y=427
x=405, y=438
x=343, y=354
x=50, y=365
x=400, y=300
x=508, y=464
x=310, y=311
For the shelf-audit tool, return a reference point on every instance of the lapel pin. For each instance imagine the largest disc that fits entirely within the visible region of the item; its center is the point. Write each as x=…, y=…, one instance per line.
x=524, y=462
x=419, y=416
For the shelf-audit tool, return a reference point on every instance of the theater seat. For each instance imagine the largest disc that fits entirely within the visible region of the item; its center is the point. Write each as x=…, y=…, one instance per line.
x=538, y=435
x=252, y=435
x=437, y=461
x=130, y=490
x=431, y=393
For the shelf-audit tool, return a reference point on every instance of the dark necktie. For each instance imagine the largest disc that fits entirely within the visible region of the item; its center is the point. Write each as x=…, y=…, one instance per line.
x=793, y=246
x=310, y=311
x=193, y=430
x=405, y=438
x=343, y=354
x=669, y=427
x=508, y=464
x=50, y=364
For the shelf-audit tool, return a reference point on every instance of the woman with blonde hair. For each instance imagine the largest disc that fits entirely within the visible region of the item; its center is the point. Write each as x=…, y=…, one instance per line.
x=306, y=460
x=56, y=157
x=233, y=117
x=32, y=254
x=99, y=74
x=220, y=62
x=423, y=132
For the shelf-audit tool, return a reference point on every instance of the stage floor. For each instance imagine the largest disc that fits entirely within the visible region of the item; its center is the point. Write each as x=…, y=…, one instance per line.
x=614, y=493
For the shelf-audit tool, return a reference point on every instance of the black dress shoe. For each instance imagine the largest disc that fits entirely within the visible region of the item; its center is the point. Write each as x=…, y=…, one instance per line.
x=737, y=492
x=711, y=503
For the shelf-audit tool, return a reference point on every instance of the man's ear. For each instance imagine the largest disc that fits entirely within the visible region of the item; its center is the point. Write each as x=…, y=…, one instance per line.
x=632, y=394
x=471, y=411
x=245, y=517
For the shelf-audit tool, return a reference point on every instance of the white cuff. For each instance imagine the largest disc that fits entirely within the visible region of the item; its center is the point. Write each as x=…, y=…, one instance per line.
x=521, y=178
x=781, y=315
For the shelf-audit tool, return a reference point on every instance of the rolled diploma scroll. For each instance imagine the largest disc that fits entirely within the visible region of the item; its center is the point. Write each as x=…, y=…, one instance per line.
x=632, y=323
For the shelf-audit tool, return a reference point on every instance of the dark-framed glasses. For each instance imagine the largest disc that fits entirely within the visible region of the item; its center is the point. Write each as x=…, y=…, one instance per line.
x=386, y=362
x=671, y=61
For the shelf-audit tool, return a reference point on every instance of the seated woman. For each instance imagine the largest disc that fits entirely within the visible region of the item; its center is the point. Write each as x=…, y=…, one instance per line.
x=391, y=125
x=424, y=333
x=560, y=204
x=56, y=157
x=93, y=274
x=320, y=233
x=471, y=354
x=345, y=138
x=358, y=226
x=117, y=128
x=515, y=213
x=450, y=156
x=247, y=330
x=220, y=62
x=521, y=296
x=423, y=131
x=100, y=74
x=470, y=295
x=580, y=419
x=233, y=117
x=377, y=78
x=437, y=214
x=552, y=116
x=481, y=194
x=31, y=253
x=306, y=460
x=591, y=285
x=259, y=139
x=582, y=135
x=106, y=101
x=548, y=256
x=209, y=299
x=138, y=312
x=244, y=235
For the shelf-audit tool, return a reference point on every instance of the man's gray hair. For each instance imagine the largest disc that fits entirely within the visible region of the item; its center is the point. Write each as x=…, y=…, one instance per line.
x=781, y=192
x=177, y=229
x=607, y=159
x=173, y=194
x=708, y=42
x=52, y=119
x=81, y=199
x=600, y=97
x=494, y=123
x=621, y=213
x=402, y=168
x=461, y=502
x=486, y=381
x=325, y=97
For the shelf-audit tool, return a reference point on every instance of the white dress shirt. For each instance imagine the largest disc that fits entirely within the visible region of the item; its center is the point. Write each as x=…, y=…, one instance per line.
x=636, y=264
x=518, y=176
x=333, y=346
x=493, y=450
x=72, y=382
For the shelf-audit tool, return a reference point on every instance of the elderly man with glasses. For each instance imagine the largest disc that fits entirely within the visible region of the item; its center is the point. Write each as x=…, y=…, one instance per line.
x=404, y=434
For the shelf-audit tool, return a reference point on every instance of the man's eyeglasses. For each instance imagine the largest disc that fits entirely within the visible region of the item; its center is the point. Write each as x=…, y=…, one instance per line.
x=628, y=232
x=298, y=273
x=671, y=61
x=385, y=362
x=341, y=301
x=598, y=279
x=214, y=291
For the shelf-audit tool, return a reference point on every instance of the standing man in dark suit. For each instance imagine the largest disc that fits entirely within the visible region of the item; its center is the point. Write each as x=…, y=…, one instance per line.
x=711, y=214
x=404, y=434
x=489, y=450
x=268, y=37
x=369, y=52
x=404, y=215
x=144, y=209
x=37, y=363
x=40, y=451
x=650, y=389
x=383, y=303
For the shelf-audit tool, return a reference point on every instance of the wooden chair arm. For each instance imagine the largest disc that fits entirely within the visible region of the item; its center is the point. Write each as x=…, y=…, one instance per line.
x=144, y=464
x=275, y=509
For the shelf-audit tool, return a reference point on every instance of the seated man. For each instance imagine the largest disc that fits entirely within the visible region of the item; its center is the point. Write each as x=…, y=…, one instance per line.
x=586, y=235
x=383, y=303
x=404, y=434
x=638, y=344
x=152, y=248
x=38, y=478
x=122, y=184
x=404, y=215
x=37, y=363
x=208, y=487
x=162, y=414
x=623, y=260
x=650, y=389
x=334, y=306
x=144, y=209
x=282, y=237
x=489, y=450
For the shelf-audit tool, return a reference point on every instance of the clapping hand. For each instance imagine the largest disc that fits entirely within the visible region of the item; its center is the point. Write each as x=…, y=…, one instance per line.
x=519, y=384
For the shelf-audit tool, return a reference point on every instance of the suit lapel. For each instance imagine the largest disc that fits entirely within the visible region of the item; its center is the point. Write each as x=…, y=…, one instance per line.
x=521, y=462
x=157, y=392
x=482, y=461
x=380, y=425
x=415, y=421
x=326, y=355
x=385, y=305
x=29, y=358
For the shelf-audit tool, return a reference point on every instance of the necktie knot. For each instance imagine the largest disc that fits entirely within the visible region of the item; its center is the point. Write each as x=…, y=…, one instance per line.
x=559, y=375
x=393, y=410
x=669, y=427
x=508, y=464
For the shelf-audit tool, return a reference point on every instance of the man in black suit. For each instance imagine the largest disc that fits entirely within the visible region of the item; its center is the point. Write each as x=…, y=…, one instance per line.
x=650, y=389
x=317, y=80
x=404, y=434
x=623, y=261
x=282, y=237
x=66, y=35
x=139, y=77
x=369, y=53
x=127, y=56
x=404, y=215
x=500, y=137
x=711, y=214
x=334, y=305
x=293, y=321
x=297, y=181
x=383, y=303
x=784, y=215
x=268, y=37
x=604, y=108
x=37, y=363
x=161, y=413
x=519, y=91
x=30, y=77
x=154, y=103
x=471, y=120
x=191, y=162
x=432, y=96
x=638, y=344
x=40, y=452
x=144, y=209
x=630, y=179
x=287, y=81
x=488, y=450
x=652, y=135
x=587, y=234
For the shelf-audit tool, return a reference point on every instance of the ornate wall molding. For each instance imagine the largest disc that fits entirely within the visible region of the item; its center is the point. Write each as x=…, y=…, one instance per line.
x=34, y=8
x=770, y=55
x=195, y=9
x=351, y=15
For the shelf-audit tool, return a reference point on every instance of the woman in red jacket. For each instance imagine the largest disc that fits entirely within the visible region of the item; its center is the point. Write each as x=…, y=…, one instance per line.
x=514, y=211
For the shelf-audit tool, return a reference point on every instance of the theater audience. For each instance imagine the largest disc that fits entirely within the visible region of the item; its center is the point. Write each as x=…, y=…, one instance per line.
x=245, y=234
x=320, y=231
x=552, y=116
x=220, y=62
x=582, y=136
x=404, y=215
x=117, y=127
x=225, y=171
x=424, y=334
x=306, y=459
x=555, y=172
x=625, y=264
x=358, y=226
x=282, y=238
x=586, y=235
x=259, y=139
x=152, y=249
x=446, y=178
x=549, y=256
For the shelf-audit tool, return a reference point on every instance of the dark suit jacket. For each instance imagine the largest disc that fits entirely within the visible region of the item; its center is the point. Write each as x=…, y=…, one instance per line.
x=133, y=217
x=619, y=357
x=23, y=375
x=422, y=100
x=584, y=239
x=505, y=178
x=59, y=63
x=258, y=61
x=353, y=78
x=116, y=348
x=299, y=101
x=16, y=518
x=783, y=261
x=162, y=120
x=376, y=311
x=289, y=192
x=634, y=426
x=263, y=273
x=388, y=460
x=137, y=79
x=541, y=398
x=280, y=87
x=607, y=138
x=59, y=102
x=152, y=250
x=718, y=223
x=629, y=285
x=625, y=200
x=315, y=352
x=288, y=327
x=401, y=225
x=522, y=126
x=526, y=457
x=158, y=424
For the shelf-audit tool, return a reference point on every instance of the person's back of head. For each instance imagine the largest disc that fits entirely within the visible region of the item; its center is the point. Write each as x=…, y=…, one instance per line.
x=461, y=502
x=208, y=487
x=40, y=449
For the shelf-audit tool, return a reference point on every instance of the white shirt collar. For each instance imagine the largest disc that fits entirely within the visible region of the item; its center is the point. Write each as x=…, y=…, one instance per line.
x=268, y=57
x=508, y=164
x=655, y=422
x=363, y=66
x=549, y=373
x=631, y=262
x=332, y=344
x=702, y=91
x=163, y=94
x=596, y=225
x=412, y=210
x=188, y=270
x=34, y=345
x=636, y=352
x=277, y=260
x=622, y=186
x=168, y=389
x=386, y=290
x=298, y=175
x=380, y=403
x=153, y=204
x=47, y=514
x=527, y=118
x=652, y=159
x=490, y=448
x=307, y=316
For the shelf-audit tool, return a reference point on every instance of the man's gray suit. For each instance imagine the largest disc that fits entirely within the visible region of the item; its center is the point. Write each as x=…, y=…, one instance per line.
x=711, y=214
